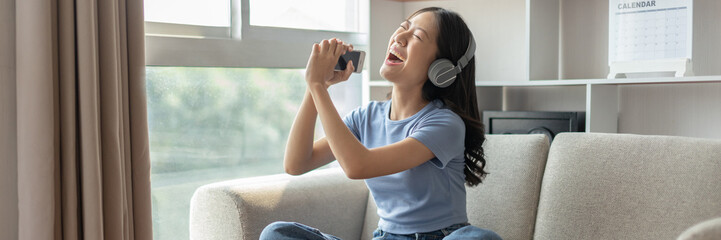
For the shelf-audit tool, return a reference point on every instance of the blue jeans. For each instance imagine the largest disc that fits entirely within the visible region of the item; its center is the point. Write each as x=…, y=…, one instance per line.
x=291, y=230
x=461, y=231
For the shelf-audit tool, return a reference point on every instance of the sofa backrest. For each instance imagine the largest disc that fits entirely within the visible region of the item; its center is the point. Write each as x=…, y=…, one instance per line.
x=622, y=186
x=506, y=200
x=370, y=223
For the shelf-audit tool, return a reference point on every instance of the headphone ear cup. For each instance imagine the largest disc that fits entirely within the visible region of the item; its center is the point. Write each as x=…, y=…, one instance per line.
x=442, y=73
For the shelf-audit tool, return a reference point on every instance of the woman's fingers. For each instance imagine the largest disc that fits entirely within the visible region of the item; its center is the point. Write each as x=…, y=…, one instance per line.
x=348, y=70
x=324, y=46
x=332, y=45
x=347, y=47
x=339, y=49
x=316, y=48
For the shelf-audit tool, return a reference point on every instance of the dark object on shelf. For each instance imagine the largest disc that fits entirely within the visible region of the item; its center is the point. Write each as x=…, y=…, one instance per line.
x=523, y=122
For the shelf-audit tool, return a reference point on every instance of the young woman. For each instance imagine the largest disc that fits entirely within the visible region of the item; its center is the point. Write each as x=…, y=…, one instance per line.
x=414, y=151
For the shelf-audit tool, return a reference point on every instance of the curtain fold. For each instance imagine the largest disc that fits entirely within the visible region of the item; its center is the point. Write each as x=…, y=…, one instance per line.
x=35, y=123
x=83, y=157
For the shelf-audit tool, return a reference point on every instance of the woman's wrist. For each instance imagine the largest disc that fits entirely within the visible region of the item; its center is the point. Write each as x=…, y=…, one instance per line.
x=315, y=86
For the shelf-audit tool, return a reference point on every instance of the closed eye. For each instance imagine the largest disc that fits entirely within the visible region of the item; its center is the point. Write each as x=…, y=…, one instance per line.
x=404, y=27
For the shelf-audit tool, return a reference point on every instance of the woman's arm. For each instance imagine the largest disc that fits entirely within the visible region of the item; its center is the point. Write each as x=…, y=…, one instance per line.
x=357, y=161
x=301, y=153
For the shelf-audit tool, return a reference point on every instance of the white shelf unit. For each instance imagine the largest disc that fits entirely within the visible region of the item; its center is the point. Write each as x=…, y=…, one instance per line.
x=566, y=82
x=552, y=55
x=601, y=95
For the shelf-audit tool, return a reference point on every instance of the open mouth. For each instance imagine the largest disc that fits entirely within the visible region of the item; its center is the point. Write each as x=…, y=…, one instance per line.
x=394, y=57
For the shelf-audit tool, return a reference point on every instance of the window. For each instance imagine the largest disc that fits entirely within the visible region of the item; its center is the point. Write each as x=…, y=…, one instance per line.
x=209, y=18
x=335, y=15
x=212, y=124
x=222, y=94
x=214, y=13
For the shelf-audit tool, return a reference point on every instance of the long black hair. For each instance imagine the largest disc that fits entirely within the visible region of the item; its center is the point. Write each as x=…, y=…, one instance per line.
x=460, y=97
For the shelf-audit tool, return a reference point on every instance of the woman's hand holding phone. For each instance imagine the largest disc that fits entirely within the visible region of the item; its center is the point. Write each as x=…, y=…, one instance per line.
x=322, y=61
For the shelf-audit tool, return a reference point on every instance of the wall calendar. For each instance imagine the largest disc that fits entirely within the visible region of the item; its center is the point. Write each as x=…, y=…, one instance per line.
x=650, y=36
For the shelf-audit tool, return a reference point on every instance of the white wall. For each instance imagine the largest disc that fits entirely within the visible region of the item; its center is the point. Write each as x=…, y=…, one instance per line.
x=692, y=110
x=8, y=123
x=385, y=18
x=706, y=37
x=547, y=98
x=583, y=39
x=499, y=30
x=498, y=26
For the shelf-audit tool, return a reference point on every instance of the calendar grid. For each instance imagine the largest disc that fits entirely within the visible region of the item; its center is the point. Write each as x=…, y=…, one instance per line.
x=658, y=31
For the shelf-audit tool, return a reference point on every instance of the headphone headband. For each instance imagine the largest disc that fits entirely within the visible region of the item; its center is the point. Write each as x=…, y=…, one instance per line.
x=470, y=51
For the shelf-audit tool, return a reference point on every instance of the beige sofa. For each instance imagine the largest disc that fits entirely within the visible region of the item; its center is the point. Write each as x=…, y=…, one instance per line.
x=585, y=186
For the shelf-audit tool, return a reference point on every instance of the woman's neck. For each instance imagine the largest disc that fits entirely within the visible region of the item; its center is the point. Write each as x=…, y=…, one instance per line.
x=406, y=102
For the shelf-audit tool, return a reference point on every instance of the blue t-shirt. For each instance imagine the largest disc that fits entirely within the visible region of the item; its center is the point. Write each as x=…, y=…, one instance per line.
x=430, y=196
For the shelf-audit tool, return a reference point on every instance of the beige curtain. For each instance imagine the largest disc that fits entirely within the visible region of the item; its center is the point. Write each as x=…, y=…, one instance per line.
x=83, y=163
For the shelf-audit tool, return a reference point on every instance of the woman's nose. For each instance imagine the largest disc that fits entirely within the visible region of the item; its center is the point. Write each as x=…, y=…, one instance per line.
x=401, y=39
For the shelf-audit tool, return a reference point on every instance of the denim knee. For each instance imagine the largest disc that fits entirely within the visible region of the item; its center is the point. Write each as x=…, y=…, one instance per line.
x=473, y=232
x=293, y=231
x=273, y=230
x=490, y=235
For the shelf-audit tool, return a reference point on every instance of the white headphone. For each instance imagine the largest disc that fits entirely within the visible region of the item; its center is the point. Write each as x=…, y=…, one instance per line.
x=442, y=72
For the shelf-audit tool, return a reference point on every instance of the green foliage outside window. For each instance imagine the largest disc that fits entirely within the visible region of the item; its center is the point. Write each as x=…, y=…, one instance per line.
x=213, y=124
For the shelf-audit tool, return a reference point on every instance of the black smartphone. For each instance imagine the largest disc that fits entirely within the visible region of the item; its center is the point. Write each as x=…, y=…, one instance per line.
x=356, y=56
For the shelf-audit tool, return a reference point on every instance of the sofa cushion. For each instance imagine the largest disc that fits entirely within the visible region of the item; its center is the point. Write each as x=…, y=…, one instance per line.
x=240, y=209
x=622, y=186
x=506, y=200
x=370, y=223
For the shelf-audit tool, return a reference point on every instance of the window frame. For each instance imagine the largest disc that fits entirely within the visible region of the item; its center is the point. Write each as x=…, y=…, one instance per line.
x=259, y=46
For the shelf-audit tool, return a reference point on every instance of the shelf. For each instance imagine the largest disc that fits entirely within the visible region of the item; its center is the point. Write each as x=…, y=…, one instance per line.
x=578, y=82
x=618, y=81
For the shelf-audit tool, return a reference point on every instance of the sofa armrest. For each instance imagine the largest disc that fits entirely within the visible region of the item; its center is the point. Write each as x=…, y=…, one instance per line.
x=240, y=209
x=706, y=230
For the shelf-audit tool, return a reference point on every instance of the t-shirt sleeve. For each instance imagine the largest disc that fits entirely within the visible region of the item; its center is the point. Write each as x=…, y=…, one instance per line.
x=444, y=134
x=353, y=120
